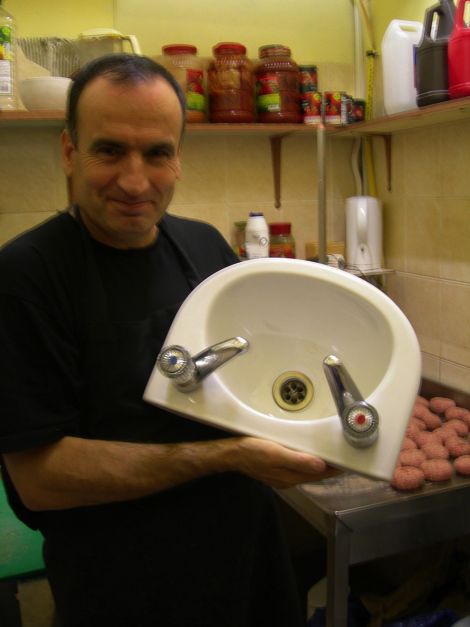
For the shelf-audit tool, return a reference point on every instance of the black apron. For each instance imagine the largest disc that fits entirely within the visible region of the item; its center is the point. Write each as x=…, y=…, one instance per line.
x=206, y=554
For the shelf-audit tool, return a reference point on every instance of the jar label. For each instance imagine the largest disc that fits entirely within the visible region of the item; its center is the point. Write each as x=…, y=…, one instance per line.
x=5, y=43
x=5, y=78
x=282, y=250
x=195, y=97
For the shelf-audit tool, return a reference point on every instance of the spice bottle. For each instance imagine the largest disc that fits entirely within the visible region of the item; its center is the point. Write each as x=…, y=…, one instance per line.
x=277, y=86
x=230, y=84
x=182, y=61
x=256, y=236
x=8, y=97
x=281, y=242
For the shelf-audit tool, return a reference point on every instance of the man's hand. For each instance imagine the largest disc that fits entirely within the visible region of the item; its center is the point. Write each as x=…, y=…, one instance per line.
x=276, y=465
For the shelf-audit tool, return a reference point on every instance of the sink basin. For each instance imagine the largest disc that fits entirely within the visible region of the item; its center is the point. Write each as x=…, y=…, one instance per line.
x=294, y=314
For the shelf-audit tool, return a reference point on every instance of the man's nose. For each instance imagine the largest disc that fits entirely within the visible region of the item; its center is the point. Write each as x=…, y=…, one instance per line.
x=133, y=179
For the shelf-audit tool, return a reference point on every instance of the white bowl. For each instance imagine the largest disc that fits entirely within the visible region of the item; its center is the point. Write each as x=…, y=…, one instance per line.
x=44, y=92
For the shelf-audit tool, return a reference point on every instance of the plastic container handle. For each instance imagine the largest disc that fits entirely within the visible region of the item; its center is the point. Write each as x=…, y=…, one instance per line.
x=132, y=39
x=429, y=19
x=459, y=23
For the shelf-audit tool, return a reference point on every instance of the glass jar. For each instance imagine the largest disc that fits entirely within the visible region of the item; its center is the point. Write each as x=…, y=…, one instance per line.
x=182, y=61
x=230, y=84
x=281, y=242
x=277, y=86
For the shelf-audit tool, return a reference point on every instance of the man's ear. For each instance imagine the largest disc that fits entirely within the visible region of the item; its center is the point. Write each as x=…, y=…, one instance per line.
x=68, y=150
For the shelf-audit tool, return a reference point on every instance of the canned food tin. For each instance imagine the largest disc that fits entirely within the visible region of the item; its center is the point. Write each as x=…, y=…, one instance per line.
x=335, y=107
x=308, y=78
x=358, y=113
x=312, y=107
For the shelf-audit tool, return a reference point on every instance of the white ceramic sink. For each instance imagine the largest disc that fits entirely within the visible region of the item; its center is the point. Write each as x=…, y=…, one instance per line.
x=294, y=314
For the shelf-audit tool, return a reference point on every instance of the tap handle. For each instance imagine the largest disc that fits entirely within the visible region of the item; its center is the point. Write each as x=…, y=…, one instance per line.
x=175, y=362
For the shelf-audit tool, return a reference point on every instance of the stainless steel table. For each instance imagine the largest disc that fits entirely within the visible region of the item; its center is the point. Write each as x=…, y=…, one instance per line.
x=364, y=519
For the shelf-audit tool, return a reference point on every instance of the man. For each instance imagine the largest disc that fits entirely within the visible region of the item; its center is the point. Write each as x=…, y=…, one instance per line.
x=148, y=518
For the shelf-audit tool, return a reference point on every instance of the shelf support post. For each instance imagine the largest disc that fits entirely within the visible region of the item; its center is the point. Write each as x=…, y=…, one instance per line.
x=321, y=159
x=276, y=145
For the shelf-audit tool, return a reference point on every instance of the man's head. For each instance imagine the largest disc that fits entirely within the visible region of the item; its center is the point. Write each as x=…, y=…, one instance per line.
x=119, y=68
x=121, y=148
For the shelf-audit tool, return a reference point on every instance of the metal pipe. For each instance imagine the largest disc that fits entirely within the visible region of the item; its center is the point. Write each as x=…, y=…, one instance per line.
x=321, y=167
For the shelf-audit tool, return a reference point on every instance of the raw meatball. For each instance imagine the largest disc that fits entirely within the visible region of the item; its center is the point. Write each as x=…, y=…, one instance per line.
x=420, y=410
x=408, y=444
x=462, y=465
x=414, y=458
x=457, y=412
x=427, y=437
x=457, y=446
x=417, y=422
x=422, y=401
x=456, y=425
x=437, y=469
x=439, y=404
x=432, y=421
x=434, y=450
x=407, y=478
x=412, y=431
x=442, y=433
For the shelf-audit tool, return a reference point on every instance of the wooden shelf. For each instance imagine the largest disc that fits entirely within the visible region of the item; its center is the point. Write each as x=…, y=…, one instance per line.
x=449, y=111
x=443, y=112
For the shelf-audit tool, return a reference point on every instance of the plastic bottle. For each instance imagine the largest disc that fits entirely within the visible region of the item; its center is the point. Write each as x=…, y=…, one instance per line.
x=281, y=242
x=7, y=60
x=182, y=61
x=256, y=236
x=432, y=80
x=398, y=65
x=459, y=55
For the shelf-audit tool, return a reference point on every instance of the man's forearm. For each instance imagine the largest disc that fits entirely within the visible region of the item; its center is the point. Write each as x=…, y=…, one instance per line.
x=77, y=472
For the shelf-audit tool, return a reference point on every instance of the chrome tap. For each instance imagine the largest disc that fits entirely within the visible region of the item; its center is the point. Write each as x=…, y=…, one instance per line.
x=360, y=420
x=175, y=362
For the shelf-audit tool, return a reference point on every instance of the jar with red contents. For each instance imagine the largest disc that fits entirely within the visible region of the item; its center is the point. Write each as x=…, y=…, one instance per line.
x=231, y=84
x=281, y=242
x=182, y=61
x=277, y=86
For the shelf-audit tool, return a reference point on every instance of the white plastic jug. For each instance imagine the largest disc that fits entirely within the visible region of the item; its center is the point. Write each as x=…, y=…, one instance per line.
x=97, y=42
x=398, y=65
x=363, y=232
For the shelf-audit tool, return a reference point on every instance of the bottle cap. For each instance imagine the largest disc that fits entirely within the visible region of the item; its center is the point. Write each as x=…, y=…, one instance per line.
x=179, y=49
x=280, y=228
x=229, y=47
x=253, y=214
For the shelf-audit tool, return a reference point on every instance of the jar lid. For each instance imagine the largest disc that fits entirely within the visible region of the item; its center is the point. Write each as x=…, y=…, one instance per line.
x=307, y=68
x=229, y=47
x=272, y=50
x=179, y=49
x=279, y=228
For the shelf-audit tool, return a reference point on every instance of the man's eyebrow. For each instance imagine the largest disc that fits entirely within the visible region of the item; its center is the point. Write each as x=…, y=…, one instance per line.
x=103, y=142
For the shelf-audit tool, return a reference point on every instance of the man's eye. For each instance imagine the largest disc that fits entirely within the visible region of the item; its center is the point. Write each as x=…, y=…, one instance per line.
x=160, y=153
x=108, y=151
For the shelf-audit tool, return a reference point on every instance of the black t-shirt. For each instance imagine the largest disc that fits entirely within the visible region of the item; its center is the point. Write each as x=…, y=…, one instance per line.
x=46, y=304
x=207, y=553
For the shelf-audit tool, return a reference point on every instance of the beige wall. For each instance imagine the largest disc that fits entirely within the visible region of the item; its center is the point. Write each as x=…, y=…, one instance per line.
x=427, y=241
x=427, y=213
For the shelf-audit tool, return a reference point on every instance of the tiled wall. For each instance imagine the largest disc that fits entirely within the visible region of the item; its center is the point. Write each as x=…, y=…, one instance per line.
x=426, y=215
x=223, y=178
x=427, y=241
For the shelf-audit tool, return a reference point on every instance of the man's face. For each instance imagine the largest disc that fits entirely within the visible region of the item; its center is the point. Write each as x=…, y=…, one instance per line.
x=126, y=161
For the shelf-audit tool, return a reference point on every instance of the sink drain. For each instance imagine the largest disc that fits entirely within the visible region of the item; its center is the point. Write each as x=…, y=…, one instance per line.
x=292, y=391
